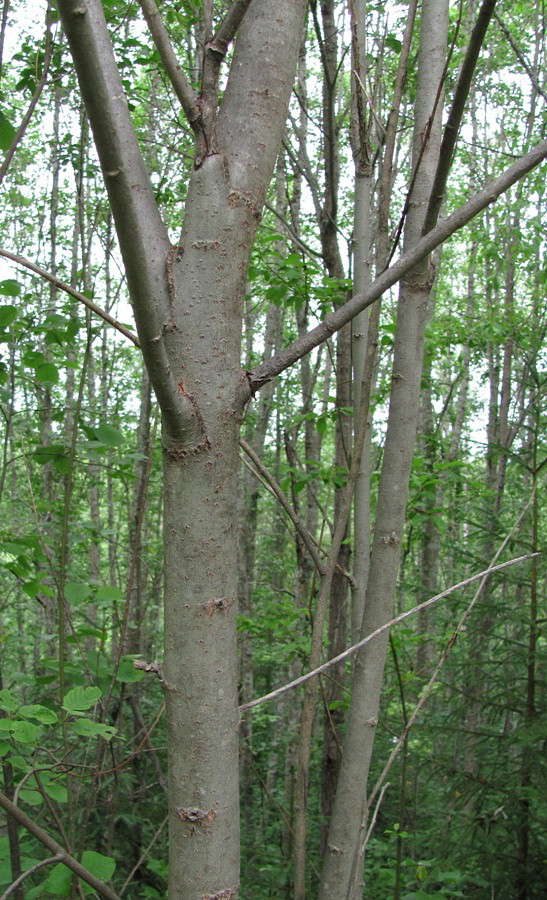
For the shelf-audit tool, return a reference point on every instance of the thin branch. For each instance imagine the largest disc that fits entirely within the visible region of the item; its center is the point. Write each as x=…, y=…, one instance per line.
x=450, y=136
x=351, y=650
x=143, y=856
x=21, y=261
x=376, y=811
x=521, y=58
x=103, y=889
x=280, y=497
x=365, y=298
x=485, y=577
x=39, y=865
x=17, y=138
x=185, y=93
x=261, y=472
x=227, y=29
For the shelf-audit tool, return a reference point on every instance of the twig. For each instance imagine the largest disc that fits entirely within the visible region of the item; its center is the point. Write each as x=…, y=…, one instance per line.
x=427, y=690
x=281, y=498
x=142, y=858
x=185, y=94
x=19, y=134
x=232, y=20
x=103, y=889
x=376, y=811
x=39, y=865
x=351, y=650
x=21, y=261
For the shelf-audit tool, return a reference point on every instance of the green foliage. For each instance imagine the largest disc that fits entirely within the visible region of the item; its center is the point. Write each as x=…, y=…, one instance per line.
x=60, y=879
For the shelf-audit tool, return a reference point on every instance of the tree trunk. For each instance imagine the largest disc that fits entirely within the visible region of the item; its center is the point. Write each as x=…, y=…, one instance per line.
x=342, y=855
x=188, y=304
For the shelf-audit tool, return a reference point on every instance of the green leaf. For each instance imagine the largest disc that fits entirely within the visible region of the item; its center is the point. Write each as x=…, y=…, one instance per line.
x=109, y=595
x=88, y=728
x=7, y=132
x=80, y=698
x=31, y=588
x=109, y=435
x=47, y=373
x=25, y=732
x=7, y=313
x=58, y=881
x=321, y=424
x=7, y=702
x=393, y=43
x=33, y=358
x=40, y=713
x=60, y=877
x=127, y=673
x=88, y=631
x=53, y=452
x=61, y=463
x=100, y=866
x=55, y=790
x=32, y=796
x=77, y=593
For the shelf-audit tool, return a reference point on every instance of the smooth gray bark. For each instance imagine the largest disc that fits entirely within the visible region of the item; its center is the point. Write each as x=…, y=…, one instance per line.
x=188, y=307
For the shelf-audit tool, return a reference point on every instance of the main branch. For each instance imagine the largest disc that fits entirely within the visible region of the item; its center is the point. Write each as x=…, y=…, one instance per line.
x=142, y=235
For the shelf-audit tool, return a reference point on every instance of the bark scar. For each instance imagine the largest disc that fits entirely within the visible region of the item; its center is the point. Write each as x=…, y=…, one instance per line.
x=218, y=604
x=197, y=817
x=238, y=198
x=174, y=254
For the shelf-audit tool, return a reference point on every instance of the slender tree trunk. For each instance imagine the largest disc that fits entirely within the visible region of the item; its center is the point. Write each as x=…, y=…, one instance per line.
x=11, y=825
x=342, y=855
x=365, y=331
x=247, y=526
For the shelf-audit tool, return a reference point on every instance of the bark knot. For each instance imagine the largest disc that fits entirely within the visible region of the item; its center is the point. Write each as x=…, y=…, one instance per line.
x=205, y=245
x=237, y=198
x=218, y=604
x=197, y=817
x=177, y=454
x=334, y=849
